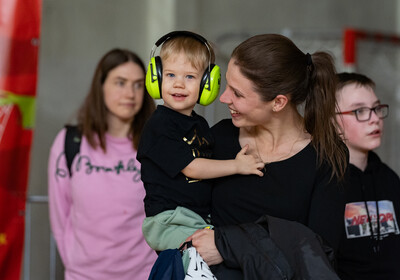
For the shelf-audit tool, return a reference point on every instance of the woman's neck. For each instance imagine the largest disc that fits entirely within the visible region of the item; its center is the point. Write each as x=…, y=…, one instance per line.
x=118, y=129
x=280, y=129
x=276, y=140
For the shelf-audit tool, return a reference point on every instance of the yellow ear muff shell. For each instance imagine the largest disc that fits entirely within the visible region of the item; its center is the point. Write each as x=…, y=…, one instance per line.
x=210, y=85
x=154, y=77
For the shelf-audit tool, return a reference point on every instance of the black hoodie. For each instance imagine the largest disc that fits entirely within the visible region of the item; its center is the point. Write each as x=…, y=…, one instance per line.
x=363, y=255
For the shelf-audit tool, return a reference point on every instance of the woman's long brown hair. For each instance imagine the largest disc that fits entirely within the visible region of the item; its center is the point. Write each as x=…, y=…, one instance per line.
x=92, y=116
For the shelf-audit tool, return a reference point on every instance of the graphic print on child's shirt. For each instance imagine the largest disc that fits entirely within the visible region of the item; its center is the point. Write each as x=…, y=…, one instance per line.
x=357, y=222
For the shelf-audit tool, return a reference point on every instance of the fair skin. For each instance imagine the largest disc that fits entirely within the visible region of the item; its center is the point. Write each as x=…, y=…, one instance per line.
x=272, y=130
x=360, y=137
x=180, y=84
x=180, y=92
x=123, y=97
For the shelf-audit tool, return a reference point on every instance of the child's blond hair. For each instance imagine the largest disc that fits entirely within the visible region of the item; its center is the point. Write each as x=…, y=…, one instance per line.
x=196, y=52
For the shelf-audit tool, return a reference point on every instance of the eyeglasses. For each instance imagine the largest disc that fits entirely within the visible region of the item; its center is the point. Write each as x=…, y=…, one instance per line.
x=363, y=114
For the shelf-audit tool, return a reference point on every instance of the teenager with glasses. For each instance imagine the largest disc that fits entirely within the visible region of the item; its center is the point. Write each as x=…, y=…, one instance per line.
x=371, y=246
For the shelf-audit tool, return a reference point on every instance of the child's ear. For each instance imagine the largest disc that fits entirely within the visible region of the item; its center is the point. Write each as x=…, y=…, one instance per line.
x=279, y=102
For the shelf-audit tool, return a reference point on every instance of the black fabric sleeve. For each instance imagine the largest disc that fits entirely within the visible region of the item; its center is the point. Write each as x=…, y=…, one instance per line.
x=272, y=248
x=248, y=248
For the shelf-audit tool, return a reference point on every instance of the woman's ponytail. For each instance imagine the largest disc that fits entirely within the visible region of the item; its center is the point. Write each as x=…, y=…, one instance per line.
x=320, y=111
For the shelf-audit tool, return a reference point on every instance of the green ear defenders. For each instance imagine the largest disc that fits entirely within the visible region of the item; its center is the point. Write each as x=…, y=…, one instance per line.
x=210, y=82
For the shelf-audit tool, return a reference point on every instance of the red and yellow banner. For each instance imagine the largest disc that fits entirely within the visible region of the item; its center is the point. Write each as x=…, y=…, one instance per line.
x=19, y=44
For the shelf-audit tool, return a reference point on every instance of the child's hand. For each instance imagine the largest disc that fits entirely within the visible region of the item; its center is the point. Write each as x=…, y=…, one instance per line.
x=249, y=164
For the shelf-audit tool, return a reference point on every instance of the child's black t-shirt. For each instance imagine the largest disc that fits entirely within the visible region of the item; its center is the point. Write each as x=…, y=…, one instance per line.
x=169, y=142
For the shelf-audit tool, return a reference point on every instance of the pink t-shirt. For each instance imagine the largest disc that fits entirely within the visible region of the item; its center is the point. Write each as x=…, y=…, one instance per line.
x=97, y=214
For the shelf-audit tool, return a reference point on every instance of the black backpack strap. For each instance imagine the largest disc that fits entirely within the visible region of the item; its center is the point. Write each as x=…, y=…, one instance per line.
x=72, y=145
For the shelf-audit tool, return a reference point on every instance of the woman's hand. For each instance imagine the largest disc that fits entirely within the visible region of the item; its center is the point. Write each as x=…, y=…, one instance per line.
x=204, y=242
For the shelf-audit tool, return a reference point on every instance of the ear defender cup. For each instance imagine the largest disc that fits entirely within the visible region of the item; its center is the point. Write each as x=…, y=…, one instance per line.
x=209, y=85
x=154, y=77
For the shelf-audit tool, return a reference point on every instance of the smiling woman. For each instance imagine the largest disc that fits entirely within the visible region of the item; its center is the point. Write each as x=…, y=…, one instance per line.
x=268, y=78
x=94, y=241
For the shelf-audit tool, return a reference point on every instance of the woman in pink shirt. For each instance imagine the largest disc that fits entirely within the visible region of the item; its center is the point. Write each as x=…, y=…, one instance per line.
x=96, y=209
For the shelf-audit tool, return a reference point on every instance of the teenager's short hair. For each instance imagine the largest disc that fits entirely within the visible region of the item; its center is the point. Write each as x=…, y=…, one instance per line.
x=346, y=78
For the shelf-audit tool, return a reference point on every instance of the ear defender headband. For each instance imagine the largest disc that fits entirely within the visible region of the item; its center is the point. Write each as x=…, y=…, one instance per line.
x=210, y=82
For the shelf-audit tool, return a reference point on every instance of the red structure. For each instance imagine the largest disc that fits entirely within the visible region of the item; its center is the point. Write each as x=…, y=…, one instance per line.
x=352, y=36
x=19, y=43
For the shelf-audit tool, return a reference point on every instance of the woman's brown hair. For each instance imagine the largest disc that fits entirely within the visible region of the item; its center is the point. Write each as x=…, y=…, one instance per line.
x=276, y=66
x=92, y=116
